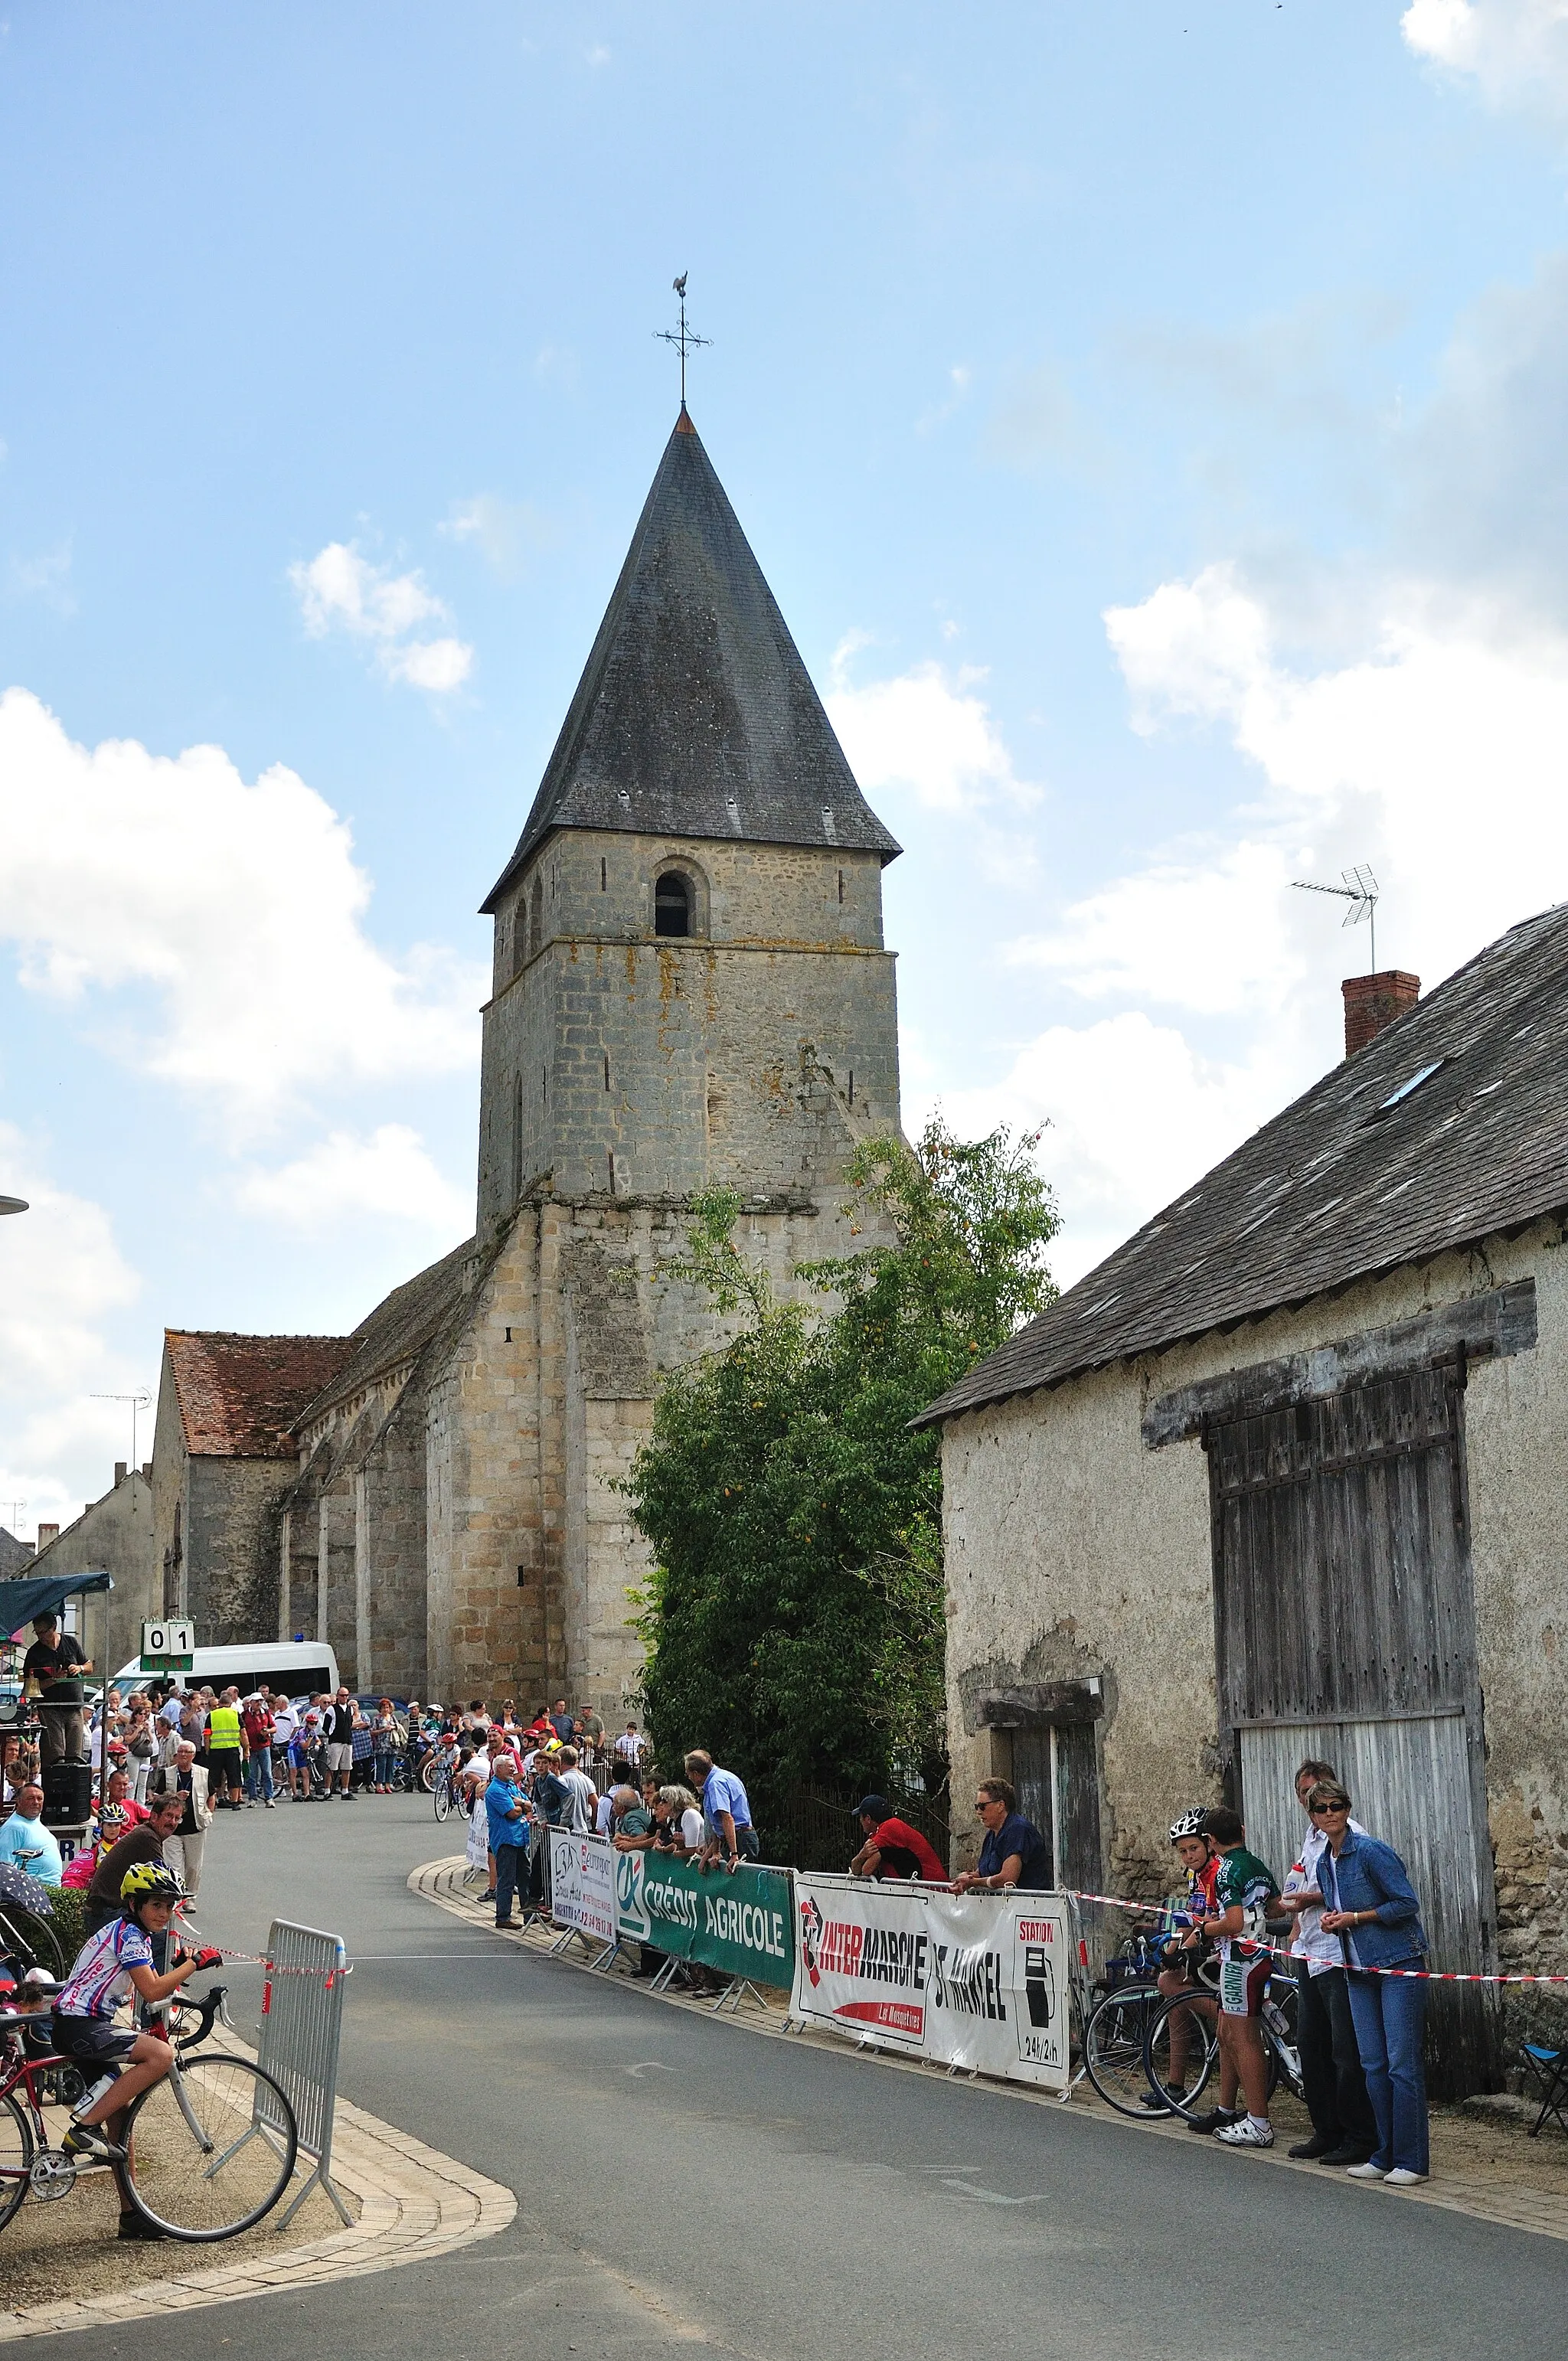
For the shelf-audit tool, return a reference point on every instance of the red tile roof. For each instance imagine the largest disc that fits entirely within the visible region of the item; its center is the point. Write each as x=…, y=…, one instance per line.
x=238, y=1396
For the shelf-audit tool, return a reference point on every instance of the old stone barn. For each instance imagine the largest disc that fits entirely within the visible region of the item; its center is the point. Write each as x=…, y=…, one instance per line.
x=690, y=990
x=1288, y=1475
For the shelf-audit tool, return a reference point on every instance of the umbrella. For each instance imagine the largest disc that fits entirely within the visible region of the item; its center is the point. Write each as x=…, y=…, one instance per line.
x=25, y=1892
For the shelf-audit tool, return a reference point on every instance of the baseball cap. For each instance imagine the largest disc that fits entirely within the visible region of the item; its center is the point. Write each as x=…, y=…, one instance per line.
x=873, y=1807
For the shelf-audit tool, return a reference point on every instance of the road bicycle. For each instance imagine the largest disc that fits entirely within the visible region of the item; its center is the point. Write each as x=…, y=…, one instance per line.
x=444, y=1789
x=30, y=1941
x=208, y=2152
x=1181, y=2049
x=1118, y=2024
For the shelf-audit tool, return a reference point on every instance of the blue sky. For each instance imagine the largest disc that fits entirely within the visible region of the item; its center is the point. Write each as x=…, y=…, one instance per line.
x=1149, y=417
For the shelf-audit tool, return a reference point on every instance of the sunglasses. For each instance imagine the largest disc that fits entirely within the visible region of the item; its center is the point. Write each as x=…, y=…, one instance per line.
x=1315, y=1808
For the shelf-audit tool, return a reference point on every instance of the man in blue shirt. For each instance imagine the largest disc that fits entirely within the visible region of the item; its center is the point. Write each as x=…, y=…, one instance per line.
x=1015, y=1853
x=730, y=1837
x=24, y=1839
x=507, y=1814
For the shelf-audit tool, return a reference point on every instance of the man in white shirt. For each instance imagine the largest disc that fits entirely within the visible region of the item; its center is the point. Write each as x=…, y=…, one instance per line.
x=1344, y=2131
x=582, y=1807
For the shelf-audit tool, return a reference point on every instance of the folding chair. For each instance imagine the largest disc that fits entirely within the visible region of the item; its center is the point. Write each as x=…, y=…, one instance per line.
x=1548, y=2071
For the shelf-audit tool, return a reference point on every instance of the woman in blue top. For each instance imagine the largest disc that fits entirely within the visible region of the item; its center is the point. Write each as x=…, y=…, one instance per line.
x=1371, y=1905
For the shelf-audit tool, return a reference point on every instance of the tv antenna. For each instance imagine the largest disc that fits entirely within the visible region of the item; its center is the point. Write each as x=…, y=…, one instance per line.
x=684, y=340
x=15, y=1508
x=1360, y=890
x=139, y=1403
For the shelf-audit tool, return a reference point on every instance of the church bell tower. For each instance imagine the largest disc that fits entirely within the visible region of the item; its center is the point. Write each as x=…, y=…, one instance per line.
x=690, y=985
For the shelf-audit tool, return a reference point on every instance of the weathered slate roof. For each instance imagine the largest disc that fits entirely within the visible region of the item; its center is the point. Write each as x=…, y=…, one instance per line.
x=695, y=714
x=397, y=1331
x=1341, y=1186
x=239, y=1396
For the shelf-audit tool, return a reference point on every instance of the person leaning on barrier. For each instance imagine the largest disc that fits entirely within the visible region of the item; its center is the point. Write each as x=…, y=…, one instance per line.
x=677, y=1822
x=1014, y=1853
x=731, y=1838
x=892, y=1849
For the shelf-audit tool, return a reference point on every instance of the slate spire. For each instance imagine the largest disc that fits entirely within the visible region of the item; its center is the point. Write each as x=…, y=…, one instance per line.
x=695, y=714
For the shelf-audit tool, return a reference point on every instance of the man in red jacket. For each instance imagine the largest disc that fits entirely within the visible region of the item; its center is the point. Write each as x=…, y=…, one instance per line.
x=892, y=1849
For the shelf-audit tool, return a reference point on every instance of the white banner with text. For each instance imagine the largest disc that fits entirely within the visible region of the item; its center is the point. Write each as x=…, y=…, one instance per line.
x=582, y=1884
x=974, y=1979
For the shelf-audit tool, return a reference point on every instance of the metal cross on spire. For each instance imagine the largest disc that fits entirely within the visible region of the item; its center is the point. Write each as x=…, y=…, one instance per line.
x=684, y=339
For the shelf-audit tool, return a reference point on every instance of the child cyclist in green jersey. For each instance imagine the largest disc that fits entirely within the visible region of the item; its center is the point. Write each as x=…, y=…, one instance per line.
x=1243, y=1890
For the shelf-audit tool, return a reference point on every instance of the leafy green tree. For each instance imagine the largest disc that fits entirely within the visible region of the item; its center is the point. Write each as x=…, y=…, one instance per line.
x=794, y=1616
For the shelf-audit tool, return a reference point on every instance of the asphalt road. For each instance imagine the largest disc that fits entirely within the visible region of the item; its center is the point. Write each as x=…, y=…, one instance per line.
x=682, y=2182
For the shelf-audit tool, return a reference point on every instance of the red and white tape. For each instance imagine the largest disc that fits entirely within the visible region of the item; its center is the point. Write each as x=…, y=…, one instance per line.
x=1413, y=1976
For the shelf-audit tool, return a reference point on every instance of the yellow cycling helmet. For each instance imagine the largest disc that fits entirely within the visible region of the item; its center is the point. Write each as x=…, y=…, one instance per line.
x=150, y=1880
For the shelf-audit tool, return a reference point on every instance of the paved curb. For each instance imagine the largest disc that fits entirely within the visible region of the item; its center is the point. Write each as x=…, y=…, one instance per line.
x=1511, y=2205
x=414, y=2202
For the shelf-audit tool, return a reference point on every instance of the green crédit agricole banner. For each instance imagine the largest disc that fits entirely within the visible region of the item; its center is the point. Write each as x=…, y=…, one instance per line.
x=741, y=1924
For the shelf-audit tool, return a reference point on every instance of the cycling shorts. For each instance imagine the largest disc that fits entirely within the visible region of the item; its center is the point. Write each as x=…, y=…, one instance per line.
x=96, y=2039
x=1243, y=1982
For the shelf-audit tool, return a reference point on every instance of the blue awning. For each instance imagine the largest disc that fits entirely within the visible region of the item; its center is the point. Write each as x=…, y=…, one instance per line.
x=35, y=1592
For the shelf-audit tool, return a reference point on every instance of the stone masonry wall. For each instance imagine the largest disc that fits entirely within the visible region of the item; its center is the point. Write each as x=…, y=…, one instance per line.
x=1073, y=1549
x=231, y=1548
x=683, y=1061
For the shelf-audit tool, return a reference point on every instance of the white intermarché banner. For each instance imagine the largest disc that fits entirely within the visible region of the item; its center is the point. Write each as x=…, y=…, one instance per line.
x=979, y=1980
x=582, y=1883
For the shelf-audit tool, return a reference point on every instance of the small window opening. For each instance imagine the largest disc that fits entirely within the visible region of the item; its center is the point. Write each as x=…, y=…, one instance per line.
x=1422, y=1074
x=544, y=1084
x=607, y=1069
x=536, y=918
x=509, y=1335
x=672, y=904
x=852, y=1086
x=604, y=875
x=841, y=884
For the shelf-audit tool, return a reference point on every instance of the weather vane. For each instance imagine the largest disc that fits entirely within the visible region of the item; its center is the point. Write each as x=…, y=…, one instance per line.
x=685, y=340
x=1360, y=890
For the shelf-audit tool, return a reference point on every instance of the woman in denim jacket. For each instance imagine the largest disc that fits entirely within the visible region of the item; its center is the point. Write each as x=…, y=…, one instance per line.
x=1371, y=1905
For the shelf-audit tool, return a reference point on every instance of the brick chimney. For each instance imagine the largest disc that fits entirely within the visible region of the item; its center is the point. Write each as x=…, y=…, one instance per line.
x=48, y=1534
x=119, y=1473
x=1371, y=1002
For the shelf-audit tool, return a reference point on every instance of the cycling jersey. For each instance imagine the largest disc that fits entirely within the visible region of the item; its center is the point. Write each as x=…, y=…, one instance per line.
x=102, y=1976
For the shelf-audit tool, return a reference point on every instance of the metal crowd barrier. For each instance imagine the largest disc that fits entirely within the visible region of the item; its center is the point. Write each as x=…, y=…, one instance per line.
x=301, y=2024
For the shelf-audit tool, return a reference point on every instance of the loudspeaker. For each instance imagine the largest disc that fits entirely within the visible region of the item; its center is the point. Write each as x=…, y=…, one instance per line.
x=68, y=1794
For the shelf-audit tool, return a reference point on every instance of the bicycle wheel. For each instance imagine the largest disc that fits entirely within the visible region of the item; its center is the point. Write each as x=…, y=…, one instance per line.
x=34, y=1941
x=210, y=2148
x=1113, y=2049
x=16, y=2156
x=1191, y=2046
x=443, y=1798
x=427, y=1774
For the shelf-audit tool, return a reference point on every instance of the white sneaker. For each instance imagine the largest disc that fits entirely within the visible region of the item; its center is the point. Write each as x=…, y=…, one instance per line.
x=1403, y=2178
x=1247, y=2133
x=1365, y=2172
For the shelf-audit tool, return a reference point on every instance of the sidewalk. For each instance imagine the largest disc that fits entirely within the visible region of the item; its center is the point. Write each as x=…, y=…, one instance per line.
x=412, y=2203
x=1489, y=2170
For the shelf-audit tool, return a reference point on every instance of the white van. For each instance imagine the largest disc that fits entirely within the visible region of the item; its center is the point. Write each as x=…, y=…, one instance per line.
x=292, y=1668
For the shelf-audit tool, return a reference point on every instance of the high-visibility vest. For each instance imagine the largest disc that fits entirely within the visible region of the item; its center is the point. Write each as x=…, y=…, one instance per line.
x=222, y=1728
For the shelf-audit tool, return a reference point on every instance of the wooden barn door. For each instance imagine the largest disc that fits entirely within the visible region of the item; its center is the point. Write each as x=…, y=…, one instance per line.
x=1056, y=1771
x=1345, y=1630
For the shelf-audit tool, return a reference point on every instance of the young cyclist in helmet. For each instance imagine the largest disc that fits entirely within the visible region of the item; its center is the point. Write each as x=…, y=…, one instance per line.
x=1201, y=1863
x=114, y=1961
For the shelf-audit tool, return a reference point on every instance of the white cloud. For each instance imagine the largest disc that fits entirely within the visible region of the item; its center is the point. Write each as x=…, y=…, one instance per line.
x=340, y=590
x=1437, y=757
x=1516, y=50
x=60, y=1272
x=1136, y=1115
x=924, y=733
x=390, y=1174
x=504, y=531
x=229, y=918
x=1208, y=938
